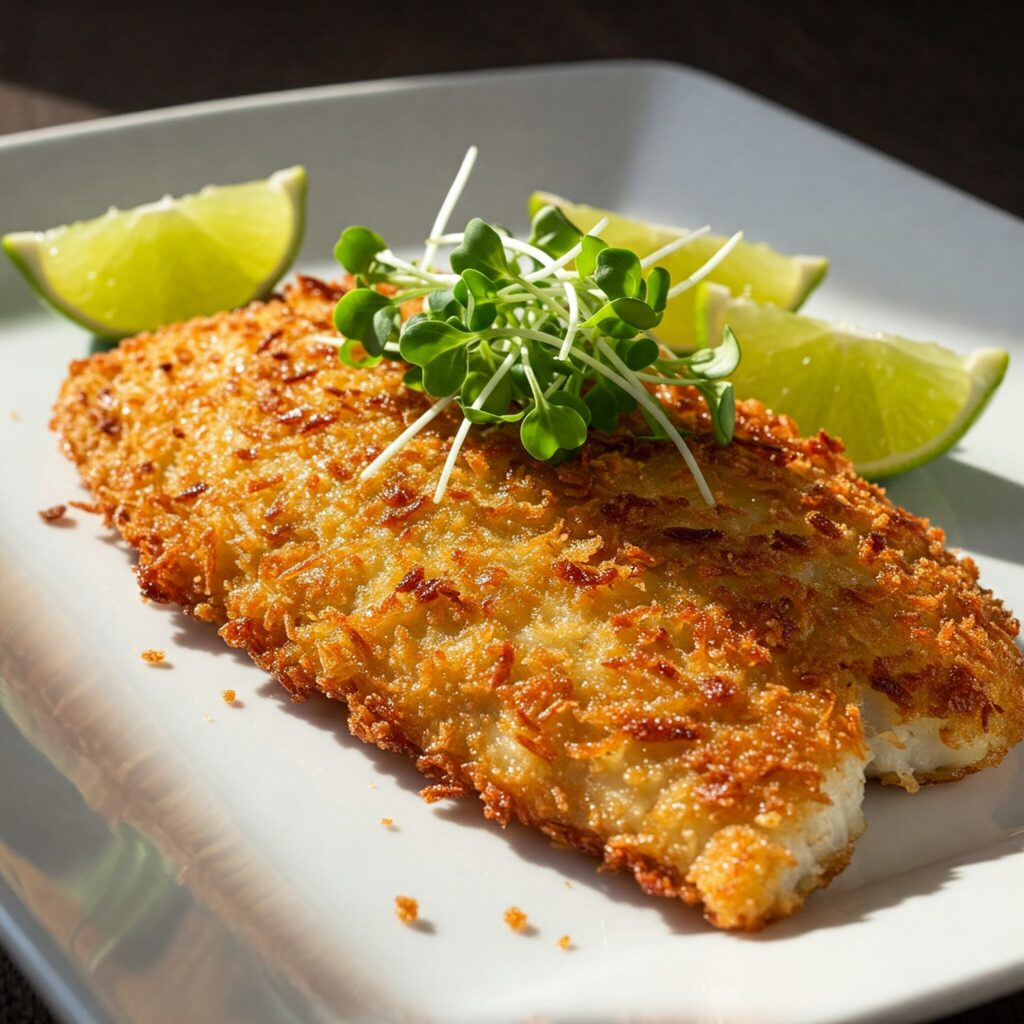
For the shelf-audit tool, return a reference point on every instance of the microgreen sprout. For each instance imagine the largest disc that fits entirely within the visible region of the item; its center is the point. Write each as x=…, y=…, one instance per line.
x=553, y=333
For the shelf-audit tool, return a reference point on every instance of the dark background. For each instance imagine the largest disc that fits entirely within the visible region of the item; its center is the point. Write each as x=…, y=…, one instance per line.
x=937, y=85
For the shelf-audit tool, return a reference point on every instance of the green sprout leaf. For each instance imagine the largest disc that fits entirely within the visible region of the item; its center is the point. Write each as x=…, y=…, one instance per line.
x=480, y=249
x=441, y=303
x=496, y=402
x=607, y=402
x=355, y=316
x=482, y=417
x=619, y=275
x=552, y=232
x=586, y=262
x=722, y=405
x=570, y=401
x=473, y=284
x=622, y=318
x=658, y=282
x=413, y=378
x=385, y=327
x=357, y=248
x=492, y=318
x=639, y=353
x=352, y=352
x=425, y=340
x=548, y=427
x=473, y=290
x=545, y=365
x=720, y=361
x=444, y=374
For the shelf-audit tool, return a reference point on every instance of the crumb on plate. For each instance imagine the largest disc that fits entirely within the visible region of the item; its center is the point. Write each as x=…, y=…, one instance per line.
x=516, y=919
x=565, y=942
x=228, y=696
x=86, y=506
x=407, y=909
x=53, y=513
x=388, y=822
x=152, y=656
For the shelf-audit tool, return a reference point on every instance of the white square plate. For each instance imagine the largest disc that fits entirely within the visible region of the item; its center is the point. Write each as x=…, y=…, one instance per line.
x=165, y=857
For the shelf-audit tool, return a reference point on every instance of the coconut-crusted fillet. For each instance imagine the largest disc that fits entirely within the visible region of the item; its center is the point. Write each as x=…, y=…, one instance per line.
x=670, y=687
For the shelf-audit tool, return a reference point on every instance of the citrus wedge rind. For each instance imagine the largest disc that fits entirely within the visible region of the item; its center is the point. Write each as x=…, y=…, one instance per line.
x=133, y=270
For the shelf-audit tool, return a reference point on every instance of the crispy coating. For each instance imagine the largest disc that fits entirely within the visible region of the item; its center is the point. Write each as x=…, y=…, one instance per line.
x=407, y=909
x=673, y=688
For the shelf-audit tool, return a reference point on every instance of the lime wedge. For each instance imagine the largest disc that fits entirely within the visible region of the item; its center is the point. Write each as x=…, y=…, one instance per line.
x=134, y=270
x=752, y=269
x=894, y=403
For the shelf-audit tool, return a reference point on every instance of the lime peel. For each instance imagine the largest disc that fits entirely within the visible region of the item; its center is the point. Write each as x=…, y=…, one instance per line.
x=168, y=260
x=767, y=275
x=895, y=403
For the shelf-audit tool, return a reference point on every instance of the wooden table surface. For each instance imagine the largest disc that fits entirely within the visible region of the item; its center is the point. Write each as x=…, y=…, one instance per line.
x=940, y=89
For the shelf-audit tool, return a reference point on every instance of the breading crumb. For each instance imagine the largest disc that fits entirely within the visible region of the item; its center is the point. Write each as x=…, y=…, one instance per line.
x=14, y=415
x=568, y=884
x=388, y=822
x=565, y=942
x=153, y=657
x=407, y=909
x=516, y=919
x=86, y=506
x=53, y=513
x=228, y=696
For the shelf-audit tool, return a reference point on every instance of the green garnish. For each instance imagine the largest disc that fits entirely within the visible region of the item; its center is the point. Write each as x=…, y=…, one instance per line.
x=514, y=336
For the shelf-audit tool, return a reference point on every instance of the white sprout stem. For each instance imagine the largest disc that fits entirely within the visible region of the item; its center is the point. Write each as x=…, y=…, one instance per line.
x=390, y=349
x=642, y=395
x=530, y=375
x=555, y=384
x=510, y=295
x=520, y=332
x=667, y=250
x=454, y=192
x=516, y=245
x=464, y=426
x=449, y=463
x=626, y=380
x=390, y=259
x=550, y=339
x=666, y=352
x=679, y=381
x=548, y=300
x=566, y=257
x=405, y=437
x=572, y=315
x=572, y=324
x=572, y=312
x=702, y=272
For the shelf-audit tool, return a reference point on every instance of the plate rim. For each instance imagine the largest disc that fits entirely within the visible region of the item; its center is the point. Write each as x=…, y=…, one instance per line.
x=63, y=988
x=393, y=83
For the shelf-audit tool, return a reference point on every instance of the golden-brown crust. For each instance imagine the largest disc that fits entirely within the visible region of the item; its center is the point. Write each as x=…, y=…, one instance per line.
x=587, y=646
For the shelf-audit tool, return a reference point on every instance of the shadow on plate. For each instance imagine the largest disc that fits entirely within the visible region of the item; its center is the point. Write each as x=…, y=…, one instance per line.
x=988, y=806
x=972, y=505
x=910, y=850
x=526, y=843
x=98, y=344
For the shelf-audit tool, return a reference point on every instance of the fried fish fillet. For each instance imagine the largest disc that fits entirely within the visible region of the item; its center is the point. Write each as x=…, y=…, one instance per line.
x=693, y=694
